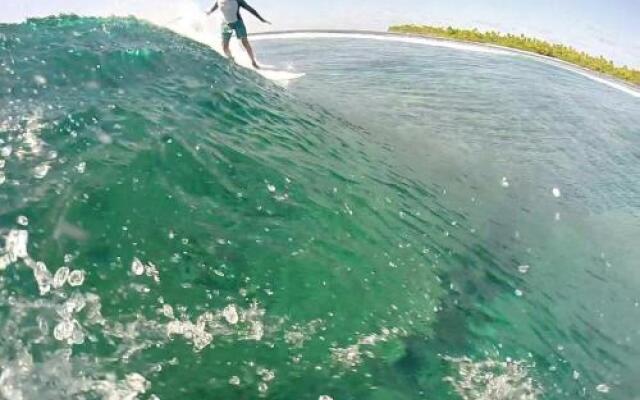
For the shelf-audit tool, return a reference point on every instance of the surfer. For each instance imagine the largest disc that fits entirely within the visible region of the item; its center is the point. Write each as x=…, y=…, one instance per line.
x=232, y=22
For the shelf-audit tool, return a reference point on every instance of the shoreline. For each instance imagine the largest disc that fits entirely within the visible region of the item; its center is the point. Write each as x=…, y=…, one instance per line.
x=556, y=51
x=539, y=57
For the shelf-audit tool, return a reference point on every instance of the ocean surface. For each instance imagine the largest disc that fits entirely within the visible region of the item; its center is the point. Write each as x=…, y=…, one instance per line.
x=404, y=222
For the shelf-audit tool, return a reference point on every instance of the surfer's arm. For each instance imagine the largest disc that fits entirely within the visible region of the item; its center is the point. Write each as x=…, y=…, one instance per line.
x=215, y=7
x=243, y=4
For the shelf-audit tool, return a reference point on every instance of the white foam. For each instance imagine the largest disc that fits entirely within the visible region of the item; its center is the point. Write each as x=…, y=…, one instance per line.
x=492, y=379
x=452, y=45
x=16, y=244
x=611, y=82
x=619, y=86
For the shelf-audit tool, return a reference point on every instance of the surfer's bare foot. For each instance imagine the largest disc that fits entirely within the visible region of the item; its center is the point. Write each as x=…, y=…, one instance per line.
x=255, y=65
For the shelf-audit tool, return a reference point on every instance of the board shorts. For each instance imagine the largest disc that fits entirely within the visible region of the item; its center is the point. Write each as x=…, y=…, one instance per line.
x=238, y=27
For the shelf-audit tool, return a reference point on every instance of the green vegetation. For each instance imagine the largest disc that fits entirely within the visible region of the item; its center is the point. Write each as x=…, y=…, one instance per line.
x=559, y=51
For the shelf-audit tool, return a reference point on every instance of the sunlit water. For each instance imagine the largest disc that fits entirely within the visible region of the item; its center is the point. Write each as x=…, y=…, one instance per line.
x=404, y=222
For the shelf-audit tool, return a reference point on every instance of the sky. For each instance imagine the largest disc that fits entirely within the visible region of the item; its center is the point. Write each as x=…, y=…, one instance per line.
x=600, y=27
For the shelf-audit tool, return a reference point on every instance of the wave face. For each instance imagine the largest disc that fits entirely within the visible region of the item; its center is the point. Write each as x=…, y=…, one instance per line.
x=175, y=226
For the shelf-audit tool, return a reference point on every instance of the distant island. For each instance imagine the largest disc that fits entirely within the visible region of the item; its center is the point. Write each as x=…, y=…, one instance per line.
x=521, y=42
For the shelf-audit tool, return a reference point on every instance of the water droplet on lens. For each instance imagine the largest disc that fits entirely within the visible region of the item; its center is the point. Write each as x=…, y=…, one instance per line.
x=104, y=138
x=230, y=314
x=137, y=267
x=43, y=277
x=63, y=330
x=76, y=278
x=167, y=310
x=60, y=277
x=41, y=171
x=40, y=80
x=137, y=382
x=77, y=336
x=6, y=151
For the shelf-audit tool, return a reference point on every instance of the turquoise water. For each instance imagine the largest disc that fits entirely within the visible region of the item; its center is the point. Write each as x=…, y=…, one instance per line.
x=539, y=163
x=404, y=222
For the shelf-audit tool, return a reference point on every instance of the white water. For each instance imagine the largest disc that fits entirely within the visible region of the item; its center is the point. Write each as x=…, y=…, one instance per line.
x=190, y=20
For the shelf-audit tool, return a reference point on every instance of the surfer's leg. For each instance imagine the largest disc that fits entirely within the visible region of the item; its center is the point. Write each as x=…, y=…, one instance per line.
x=241, y=33
x=247, y=46
x=225, y=48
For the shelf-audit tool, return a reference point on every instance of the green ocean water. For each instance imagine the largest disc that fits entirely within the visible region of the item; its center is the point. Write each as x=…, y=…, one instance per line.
x=178, y=227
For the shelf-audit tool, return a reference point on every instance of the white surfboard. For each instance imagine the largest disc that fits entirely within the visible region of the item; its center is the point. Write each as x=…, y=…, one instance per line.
x=266, y=71
x=275, y=75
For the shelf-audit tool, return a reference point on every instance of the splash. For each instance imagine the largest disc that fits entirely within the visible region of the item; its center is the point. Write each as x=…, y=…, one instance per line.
x=493, y=380
x=188, y=19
